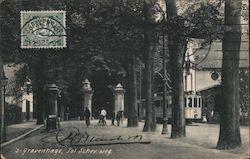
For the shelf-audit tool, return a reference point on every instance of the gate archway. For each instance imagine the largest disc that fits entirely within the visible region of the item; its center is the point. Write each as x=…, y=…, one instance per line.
x=102, y=98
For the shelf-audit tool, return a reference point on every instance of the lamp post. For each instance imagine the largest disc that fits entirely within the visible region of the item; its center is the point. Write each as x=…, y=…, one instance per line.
x=4, y=81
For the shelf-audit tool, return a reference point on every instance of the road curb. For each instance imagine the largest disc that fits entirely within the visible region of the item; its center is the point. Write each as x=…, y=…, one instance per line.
x=21, y=136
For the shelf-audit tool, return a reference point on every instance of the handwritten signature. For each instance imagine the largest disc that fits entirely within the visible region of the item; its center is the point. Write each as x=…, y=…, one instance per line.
x=72, y=137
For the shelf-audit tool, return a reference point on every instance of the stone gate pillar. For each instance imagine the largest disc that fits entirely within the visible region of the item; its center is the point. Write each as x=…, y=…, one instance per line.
x=87, y=96
x=119, y=98
x=52, y=99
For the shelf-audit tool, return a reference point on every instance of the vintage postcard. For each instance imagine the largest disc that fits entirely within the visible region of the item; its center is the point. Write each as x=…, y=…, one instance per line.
x=124, y=79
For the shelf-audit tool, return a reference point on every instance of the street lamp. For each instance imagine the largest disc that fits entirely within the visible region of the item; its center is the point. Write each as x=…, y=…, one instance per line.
x=4, y=81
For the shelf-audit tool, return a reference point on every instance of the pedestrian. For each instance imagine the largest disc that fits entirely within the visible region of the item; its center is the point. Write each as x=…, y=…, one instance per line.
x=87, y=116
x=118, y=118
x=121, y=115
x=113, y=119
x=103, y=116
x=241, y=118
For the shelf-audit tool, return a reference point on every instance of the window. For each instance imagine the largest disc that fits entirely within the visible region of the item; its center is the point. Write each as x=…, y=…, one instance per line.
x=190, y=102
x=185, y=102
x=199, y=102
x=195, y=102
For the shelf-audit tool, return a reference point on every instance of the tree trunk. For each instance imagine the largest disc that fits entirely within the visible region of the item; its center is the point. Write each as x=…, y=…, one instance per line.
x=150, y=124
x=230, y=119
x=164, y=98
x=140, y=93
x=3, y=122
x=149, y=44
x=177, y=50
x=178, y=110
x=40, y=105
x=39, y=89
x=132, y=88
x=153, y=125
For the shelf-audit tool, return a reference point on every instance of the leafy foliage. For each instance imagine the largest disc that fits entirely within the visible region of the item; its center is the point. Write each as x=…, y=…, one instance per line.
x=99, y=35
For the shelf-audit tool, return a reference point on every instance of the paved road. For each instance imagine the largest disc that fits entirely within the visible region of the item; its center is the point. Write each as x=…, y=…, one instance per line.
x=70, y=143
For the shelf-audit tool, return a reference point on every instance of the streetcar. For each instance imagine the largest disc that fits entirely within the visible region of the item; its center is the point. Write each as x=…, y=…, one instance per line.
x=192, y=104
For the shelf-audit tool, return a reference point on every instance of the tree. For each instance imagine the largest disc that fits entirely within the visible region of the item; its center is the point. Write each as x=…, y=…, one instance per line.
x=96, y=34
x=38, y=87
x=2, y=107
x=53, y=62
x=164, y=99
x=139, y=17
x=230, y=119
x=96, y=54
x=177, y=52
x=132, y=91
x=185, y=22
x=150, y=37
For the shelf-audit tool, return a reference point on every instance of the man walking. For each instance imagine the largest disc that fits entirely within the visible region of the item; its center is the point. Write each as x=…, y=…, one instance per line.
x=118, y=118
x=113, y=119
x=87, y=116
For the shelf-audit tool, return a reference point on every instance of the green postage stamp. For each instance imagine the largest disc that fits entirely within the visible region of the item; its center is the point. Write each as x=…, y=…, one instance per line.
x=43, y=29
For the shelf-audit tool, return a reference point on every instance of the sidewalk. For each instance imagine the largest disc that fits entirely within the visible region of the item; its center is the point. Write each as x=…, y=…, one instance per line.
x=16, y=132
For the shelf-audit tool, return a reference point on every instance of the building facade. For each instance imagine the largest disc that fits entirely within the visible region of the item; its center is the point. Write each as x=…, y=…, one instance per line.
x=18, y=94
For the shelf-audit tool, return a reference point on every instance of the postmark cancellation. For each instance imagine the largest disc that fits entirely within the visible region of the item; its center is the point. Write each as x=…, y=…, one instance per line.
x=43, y=29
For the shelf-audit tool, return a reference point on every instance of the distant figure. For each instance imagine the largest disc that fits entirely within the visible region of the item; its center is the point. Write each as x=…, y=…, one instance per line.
x=241, y=116
x=121, y=115
x=103, y=116
x=212, y=113
x=204, y=119
x=113, y=119
x=118, y=118
x=103, y=112
x=87, y=116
